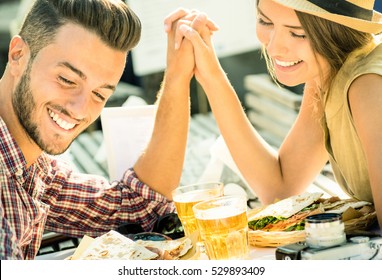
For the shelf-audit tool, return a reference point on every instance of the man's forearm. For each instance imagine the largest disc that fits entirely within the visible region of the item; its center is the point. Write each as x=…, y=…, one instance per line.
x=161, y=164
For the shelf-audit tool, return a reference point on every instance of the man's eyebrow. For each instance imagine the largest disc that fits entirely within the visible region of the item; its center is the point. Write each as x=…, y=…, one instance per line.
x=108, y=86
x=289, y=26
x=74, y=69
x=82, y=75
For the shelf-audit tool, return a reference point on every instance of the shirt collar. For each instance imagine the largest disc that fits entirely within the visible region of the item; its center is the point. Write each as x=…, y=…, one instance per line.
x=11, y=157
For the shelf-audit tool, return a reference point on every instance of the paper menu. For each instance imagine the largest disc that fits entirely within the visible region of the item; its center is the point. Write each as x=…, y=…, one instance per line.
x=127, y=131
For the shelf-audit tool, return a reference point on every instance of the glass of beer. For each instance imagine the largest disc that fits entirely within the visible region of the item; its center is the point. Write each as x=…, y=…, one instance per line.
x=223, y=226
x=185, y=197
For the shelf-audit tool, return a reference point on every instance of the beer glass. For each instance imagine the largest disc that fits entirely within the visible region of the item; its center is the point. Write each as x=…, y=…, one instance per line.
x=223, y=226
x=185, y=197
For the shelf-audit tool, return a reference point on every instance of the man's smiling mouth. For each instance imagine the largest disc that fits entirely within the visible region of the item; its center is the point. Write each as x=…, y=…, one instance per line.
x=60, y=122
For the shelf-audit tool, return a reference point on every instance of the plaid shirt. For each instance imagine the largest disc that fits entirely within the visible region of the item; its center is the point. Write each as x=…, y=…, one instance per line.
x=50, y=196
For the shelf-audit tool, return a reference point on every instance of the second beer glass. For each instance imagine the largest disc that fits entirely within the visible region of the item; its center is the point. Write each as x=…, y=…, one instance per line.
x=187, y=196
x=223, y=226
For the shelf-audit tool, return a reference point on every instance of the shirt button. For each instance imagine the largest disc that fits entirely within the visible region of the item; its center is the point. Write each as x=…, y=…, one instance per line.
x=19, y=172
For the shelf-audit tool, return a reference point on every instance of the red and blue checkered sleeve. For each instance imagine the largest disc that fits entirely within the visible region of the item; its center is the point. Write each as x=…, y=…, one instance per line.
x=88, y=204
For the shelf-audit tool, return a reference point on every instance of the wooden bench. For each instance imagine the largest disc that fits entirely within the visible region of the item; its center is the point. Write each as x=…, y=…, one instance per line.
x=83, y=153
x=271, y=109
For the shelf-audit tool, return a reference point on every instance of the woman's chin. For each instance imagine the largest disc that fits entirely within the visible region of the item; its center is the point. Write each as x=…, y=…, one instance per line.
x=288, y=82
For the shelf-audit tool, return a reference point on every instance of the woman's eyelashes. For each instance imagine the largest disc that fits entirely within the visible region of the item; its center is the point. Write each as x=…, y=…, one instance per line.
x=300, y=36
x=269, y=23
x=263, y=22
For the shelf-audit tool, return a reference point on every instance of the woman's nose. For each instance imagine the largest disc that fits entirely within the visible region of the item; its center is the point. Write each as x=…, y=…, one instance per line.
x=276, y=45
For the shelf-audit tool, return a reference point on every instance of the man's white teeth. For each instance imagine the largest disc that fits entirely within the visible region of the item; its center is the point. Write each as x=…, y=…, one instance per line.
x=62, y=123
x=286, y=63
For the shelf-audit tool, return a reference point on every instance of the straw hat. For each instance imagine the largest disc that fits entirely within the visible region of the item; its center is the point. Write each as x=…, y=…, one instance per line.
x=356, y=14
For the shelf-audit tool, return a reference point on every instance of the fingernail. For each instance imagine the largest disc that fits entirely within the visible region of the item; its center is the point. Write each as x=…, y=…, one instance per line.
x=176, y=46
x=185, y=28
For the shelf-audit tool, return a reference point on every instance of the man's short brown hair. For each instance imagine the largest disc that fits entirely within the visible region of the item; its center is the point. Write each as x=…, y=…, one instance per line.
x=112, y=20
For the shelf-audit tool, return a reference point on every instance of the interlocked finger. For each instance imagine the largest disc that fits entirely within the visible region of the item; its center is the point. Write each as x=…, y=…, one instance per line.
x=174, y=16
x=178, y=35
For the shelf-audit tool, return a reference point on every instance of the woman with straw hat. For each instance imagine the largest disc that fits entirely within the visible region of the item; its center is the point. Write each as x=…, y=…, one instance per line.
x=333, y=49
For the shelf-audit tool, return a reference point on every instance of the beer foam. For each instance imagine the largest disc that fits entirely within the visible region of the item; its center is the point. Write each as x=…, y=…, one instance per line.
x=194, y=196
x=219, y=213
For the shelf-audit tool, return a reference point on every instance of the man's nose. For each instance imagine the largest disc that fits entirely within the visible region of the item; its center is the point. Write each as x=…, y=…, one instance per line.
x=79, y=105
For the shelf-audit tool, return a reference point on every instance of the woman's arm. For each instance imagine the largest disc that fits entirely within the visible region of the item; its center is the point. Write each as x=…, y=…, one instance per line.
x=270, y=173
x=365, y=98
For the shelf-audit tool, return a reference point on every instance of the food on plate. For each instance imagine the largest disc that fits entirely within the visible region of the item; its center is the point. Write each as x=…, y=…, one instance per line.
x=171, y=248
x=289, y=214
x=114, y=245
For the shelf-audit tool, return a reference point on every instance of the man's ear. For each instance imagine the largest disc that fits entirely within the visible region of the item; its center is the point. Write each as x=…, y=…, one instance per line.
x=18, y=55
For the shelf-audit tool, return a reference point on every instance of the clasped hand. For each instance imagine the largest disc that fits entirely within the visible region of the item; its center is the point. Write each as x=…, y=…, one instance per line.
x=190, y=46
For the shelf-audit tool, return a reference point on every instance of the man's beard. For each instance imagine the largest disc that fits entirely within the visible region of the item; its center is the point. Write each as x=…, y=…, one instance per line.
x=24, y=106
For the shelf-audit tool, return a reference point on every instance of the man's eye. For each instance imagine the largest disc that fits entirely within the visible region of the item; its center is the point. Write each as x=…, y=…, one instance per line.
x=65, y=81
x=99, y=96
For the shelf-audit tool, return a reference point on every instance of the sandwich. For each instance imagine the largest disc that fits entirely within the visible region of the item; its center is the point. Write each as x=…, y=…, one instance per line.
x=289, y=214
x=286, y=214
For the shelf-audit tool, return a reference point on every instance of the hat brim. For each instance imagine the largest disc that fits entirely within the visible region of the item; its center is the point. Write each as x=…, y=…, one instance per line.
x=373, y=26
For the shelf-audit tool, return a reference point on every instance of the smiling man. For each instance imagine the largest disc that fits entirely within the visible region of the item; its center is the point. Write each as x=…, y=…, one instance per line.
x=62, y=68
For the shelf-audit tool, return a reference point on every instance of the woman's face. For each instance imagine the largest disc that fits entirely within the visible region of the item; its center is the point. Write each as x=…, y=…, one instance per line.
x=280, y=31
